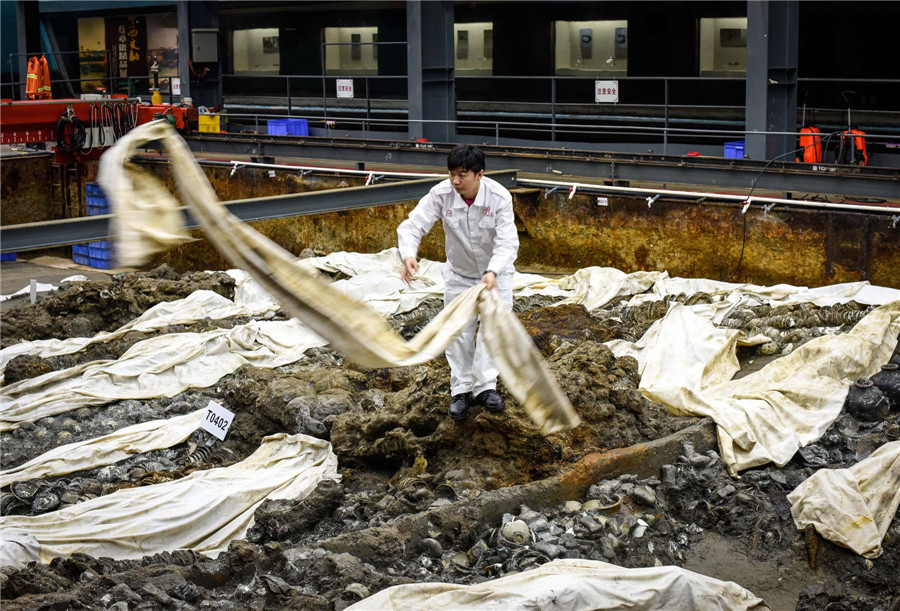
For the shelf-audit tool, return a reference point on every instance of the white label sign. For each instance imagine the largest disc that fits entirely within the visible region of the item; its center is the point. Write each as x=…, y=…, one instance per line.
x=602, y=201
x=345, y=88
x=216, y=420
x=176, y=85
x=606, y=91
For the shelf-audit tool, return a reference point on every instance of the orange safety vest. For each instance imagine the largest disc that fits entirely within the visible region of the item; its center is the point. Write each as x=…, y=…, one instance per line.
x=31, y=80
x=44, y=91
x=37, y=81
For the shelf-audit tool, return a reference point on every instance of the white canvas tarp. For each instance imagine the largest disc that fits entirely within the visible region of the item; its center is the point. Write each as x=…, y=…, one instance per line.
x=106, y=450
x=687, y=364
x=161, y=366
x=573, y=585
x=203, y=511
x=852, y=507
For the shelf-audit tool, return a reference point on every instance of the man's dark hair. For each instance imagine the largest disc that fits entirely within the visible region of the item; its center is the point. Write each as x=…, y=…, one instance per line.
x=467, y=157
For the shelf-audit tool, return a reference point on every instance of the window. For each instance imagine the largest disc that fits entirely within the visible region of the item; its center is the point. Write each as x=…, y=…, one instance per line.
x=474, y=48
x=256, y=51
x=358, y=58
x=591, y=47
x=723, y=46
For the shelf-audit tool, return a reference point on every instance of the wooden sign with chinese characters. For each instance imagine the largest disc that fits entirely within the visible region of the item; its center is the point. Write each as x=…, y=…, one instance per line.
x=606, y=91
x=126, y=38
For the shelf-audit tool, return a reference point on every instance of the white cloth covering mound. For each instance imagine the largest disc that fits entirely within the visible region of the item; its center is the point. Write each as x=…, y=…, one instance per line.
x=106, y=450
x=161, y=366
x=852, y=507
x=687, y=364
x=573, y=585
x=196, y=306
x=203, y=511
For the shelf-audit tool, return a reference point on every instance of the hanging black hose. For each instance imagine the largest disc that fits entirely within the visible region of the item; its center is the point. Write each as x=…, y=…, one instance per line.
x=70, y=133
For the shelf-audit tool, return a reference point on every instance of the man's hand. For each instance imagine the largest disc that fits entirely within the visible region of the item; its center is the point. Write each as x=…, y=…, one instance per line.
x=410, y=268
x=490, y=279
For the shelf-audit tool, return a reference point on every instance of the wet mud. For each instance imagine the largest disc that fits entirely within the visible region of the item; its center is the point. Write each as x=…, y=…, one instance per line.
x=423, y=498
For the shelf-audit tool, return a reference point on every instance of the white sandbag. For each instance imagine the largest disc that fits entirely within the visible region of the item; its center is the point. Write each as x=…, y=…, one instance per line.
x=573, y=585
x=161, y=366
x=687, y=364
x=852, y=507
x=203, y=511
x=106, y=450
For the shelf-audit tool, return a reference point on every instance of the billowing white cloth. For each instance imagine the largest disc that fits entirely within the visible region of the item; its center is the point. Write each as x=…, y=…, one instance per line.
x=161, y=366
x=203, y=511
x=687, y=365
x=352, y=328
x=573, y=585
x=852, y=507
x=106, y=450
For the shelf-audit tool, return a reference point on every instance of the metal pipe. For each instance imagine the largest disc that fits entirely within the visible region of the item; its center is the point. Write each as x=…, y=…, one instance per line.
x=888, y=209
x=274, y=166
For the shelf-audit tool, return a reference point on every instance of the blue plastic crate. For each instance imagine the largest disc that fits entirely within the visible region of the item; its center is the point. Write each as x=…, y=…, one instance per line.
x=9, y=256
x=101, y=263
x=288, y=127
x=100, y=252
x=81, y=259
x=734, y=150
x=98, y=209
x=80, y=249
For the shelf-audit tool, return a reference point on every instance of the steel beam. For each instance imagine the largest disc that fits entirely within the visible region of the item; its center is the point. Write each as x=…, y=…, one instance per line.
x=431, y=65
x=711, y=172
x=33, y=236
x=771, y=98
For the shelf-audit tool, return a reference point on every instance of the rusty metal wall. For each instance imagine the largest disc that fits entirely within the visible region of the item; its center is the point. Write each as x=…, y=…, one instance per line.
x=558, y=234
x=25, y=196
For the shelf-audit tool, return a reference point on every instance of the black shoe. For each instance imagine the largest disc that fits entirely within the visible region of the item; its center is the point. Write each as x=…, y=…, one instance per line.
x=459, y=405
x=491, y=400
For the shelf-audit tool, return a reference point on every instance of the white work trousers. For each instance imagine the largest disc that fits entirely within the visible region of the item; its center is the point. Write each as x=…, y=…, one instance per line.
x=471, y=369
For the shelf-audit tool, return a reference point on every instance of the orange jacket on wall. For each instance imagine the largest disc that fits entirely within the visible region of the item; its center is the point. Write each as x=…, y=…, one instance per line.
x=37, y=82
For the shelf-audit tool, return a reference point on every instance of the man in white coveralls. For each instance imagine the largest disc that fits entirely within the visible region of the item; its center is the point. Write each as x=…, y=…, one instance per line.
x=481, y=245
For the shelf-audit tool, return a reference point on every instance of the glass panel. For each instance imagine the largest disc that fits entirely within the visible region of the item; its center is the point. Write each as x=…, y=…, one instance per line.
x=474, y=48
x=359, y=58
x=584, y=48
x=256, y=51
x=723, y=46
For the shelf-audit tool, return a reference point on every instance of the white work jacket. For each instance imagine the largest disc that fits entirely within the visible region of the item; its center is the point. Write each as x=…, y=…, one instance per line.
x=478, y=238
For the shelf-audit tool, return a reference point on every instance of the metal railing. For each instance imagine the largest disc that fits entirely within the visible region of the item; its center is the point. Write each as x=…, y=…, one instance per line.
x=16, y=85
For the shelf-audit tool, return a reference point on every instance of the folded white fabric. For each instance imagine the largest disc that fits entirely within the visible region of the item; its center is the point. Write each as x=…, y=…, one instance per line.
x=203, y=511
x=687, y=364
x=147, y=218
x=852, y=507
x=573, y=585
x=161, y=366
x=106, y=450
